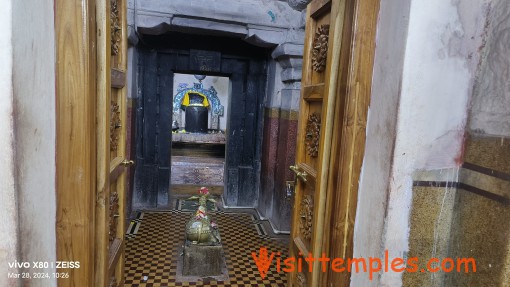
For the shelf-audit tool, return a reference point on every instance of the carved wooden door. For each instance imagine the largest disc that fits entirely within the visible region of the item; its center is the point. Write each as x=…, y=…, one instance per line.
x=321, y=74
x=91, y=139
x=111, y=142
x=335, y=95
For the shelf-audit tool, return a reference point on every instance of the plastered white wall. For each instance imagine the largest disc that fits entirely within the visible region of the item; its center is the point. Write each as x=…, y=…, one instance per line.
x=440, y=58
x=381, y=130
x=8, y=209
x=220, y=84
x=490, y=112
x=35, y=124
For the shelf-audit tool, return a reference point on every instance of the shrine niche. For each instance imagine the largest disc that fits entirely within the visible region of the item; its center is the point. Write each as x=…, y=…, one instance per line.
x=198, y=130
x=199, y=104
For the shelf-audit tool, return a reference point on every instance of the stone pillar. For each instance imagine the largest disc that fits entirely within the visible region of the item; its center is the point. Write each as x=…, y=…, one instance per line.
x=280, y=130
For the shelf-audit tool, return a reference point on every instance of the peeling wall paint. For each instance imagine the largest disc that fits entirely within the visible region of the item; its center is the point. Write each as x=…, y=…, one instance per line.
x=437, y=82
x=490, y=112
x=381, y=131
x=432, y=89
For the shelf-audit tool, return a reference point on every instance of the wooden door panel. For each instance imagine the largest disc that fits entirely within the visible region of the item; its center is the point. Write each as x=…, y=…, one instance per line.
x=309, y=197
x=111, y=143
x=90, y=140
x=305, y=214
x=345, y=99
x=313, y=92
x=115, y=127
x=75, y=137
x=318, y=7
x=318, y=57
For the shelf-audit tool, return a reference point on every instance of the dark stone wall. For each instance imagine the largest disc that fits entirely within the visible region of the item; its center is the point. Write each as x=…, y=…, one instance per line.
x=130, y=153
x=278, y=153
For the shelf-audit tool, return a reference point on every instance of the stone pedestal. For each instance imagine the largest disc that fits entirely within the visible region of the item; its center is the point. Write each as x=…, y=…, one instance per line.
x=202, y=260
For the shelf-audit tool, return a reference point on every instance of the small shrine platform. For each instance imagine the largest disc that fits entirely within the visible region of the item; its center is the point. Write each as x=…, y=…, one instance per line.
x=198, y=159
x=205, y=138
x=204, y=171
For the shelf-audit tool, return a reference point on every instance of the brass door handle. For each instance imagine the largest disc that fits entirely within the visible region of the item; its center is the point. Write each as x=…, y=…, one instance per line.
x=127, y=162
x=299, y=174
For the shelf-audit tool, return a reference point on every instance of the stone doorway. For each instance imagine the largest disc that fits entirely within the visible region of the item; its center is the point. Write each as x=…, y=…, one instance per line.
x=199, y=133
x=163, y=57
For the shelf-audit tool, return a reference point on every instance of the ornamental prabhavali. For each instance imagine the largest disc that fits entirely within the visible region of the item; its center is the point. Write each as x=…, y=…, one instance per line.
x=201, y=229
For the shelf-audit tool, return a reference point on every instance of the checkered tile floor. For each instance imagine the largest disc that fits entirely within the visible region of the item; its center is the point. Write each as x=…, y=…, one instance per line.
x=152, y=253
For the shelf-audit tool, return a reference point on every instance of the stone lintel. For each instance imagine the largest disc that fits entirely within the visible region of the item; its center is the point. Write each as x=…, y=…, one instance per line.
x=153, y=24
x=211, y=25
x=265, y=36
x=288, y=50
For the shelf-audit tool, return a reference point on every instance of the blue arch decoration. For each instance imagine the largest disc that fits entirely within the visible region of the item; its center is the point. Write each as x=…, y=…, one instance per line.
x=211, y=94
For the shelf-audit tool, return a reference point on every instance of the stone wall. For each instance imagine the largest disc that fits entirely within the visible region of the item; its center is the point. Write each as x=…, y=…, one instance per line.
x=427, y=53
x=481, y=227
x=269, y=24
x=467, y=215
x=490, y=114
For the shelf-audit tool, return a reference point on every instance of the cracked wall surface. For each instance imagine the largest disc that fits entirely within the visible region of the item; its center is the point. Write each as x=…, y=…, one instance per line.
x=433, y=86
x=490, y=114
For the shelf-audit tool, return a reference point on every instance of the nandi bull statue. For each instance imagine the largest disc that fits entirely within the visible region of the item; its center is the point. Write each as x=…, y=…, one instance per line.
x=200, y=229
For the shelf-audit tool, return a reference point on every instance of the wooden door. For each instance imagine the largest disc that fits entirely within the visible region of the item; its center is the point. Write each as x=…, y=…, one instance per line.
x=111, y=142
x=336, y=82
x=91, y=140
x=319, y=84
